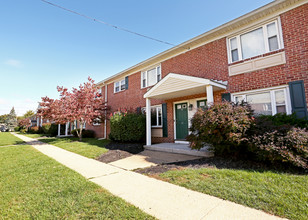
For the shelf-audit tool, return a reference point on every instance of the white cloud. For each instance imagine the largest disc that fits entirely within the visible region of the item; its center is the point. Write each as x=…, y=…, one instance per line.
x=13, y=62
x=21, y=106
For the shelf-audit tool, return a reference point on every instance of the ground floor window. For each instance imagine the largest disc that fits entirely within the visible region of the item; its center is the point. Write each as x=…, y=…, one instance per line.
x=266, y=102
x=156, y=115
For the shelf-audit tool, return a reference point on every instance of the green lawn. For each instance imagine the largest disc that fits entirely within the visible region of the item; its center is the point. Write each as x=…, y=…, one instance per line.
x=281, y=194
x=33, y=135
x=8, y=139
x=89, y=147
x=33, y=186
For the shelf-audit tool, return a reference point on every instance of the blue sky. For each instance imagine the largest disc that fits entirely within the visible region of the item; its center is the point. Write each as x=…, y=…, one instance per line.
x=42, y=46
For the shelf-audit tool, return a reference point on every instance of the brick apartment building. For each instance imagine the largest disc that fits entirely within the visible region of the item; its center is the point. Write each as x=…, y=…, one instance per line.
x=260, y=57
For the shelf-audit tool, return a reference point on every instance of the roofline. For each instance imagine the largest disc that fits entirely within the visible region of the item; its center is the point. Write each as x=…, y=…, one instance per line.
x=181, y=47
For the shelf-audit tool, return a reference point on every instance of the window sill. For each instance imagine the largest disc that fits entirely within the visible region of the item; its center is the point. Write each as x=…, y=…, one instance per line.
x=119, y=91
x=256, y=63
x=157, y=127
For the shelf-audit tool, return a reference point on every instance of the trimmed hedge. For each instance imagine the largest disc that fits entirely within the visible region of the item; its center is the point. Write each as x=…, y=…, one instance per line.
x=85, y=133
x=128, y=127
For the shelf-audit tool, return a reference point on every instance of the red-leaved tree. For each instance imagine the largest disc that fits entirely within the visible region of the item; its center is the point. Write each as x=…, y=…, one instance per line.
x=84, y=105
x=24, y=123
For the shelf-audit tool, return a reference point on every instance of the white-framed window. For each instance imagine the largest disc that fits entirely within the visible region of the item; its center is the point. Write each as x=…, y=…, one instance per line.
x=266, y=102
x=97, y=121
x=261, y=40
x=150, y=77
x=84, y=125
x=119, y=86
x=156, y=115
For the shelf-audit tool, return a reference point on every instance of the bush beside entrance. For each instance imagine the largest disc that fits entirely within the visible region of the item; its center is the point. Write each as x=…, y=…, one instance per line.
x=232, y=130
x=127, y=127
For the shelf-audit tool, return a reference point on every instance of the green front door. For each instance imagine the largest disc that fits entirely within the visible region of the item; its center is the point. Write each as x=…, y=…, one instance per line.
x=181, y=121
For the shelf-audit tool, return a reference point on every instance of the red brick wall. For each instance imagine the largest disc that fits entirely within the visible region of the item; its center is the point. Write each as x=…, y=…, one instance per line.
x=210, y=61
x=294, y=29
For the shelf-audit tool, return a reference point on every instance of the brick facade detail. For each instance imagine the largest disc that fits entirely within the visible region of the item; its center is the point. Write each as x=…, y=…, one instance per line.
x=210, y=61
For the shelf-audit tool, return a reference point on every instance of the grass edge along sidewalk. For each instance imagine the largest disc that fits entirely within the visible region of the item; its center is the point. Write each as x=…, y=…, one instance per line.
x=35, y=186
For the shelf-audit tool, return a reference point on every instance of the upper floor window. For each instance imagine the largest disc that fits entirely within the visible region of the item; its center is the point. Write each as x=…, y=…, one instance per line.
x=150, y=77
x=256, y=42
x=119, y=86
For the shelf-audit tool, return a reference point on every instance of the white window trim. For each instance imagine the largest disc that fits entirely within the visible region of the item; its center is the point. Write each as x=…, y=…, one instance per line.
x=146, y=75
x=120, y=84
x=97, y=122
x=157, y=118
x=263, y=25
x=273, y=101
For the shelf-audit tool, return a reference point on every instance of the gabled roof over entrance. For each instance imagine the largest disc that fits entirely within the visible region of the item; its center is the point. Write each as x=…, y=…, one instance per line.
x=177, y=85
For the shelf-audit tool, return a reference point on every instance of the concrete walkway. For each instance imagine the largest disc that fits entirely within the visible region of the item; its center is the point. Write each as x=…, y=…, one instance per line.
x=157, y=198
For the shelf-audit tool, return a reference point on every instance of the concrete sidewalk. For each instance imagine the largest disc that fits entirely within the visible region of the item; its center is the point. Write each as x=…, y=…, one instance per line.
x=157, y=198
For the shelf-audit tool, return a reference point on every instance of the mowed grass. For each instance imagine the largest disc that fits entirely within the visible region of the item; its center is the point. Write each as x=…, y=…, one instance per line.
x=33, y=135
x=280, y=194
x=89, y=147
x=8, y=139
x=33, y=186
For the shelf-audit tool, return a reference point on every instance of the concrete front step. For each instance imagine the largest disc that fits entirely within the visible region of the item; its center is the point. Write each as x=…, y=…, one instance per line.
x=179, y=149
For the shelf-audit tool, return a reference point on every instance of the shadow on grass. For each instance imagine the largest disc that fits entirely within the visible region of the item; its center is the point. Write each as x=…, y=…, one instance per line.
x=90, y=141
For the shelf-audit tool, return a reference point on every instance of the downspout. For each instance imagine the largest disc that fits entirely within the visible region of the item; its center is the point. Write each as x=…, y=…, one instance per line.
x=105, y=122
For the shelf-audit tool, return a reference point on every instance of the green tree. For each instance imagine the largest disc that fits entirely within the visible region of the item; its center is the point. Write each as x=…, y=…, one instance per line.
x=12, y=120
x=28, y=114
x=3, y=118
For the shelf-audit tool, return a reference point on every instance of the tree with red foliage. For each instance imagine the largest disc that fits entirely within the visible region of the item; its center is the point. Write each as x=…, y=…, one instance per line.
x=84, y=105
x=24, y=123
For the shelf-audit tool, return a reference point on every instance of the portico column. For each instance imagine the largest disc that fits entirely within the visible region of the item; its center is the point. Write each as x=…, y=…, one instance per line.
x=148, y=122
x=66, y=128
x=59, y=129
x=209, y=95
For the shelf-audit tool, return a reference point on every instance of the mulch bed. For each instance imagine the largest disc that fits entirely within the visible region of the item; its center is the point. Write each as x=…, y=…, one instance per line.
x=119, y=151
x=220, y=163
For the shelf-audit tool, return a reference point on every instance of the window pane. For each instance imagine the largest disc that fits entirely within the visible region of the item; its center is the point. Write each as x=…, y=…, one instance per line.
x=153, y=117
x=273, y=43
x=260, y=103
x=234, y=55
x=117, y=86
x=271, y=30
x=233, y=43
x=279, y=96
x=143, y=79
x=152, y=77
x=158, y=74
x=159, y=116
x=122, y=85
x=252, y=43
x=281, y=109
x=239, y=99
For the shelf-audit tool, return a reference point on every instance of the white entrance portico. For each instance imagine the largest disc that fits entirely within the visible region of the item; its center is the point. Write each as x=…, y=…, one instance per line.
x=176, y=85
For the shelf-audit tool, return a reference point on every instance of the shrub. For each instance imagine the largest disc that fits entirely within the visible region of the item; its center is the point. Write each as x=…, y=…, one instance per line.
x=85, y=133
x=34, y=130
x=53, y=130
x=46, y=128
x=17, y=128
x=127, y=127
x=223, y=126
x=283, y=144
x=284, y=119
